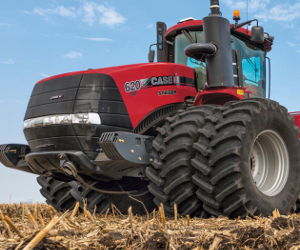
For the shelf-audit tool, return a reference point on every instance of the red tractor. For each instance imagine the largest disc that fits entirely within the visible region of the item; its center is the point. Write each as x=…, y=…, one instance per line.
x=196, y=129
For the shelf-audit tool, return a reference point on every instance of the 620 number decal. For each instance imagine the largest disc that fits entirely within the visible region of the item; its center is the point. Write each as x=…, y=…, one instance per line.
x=133, y=86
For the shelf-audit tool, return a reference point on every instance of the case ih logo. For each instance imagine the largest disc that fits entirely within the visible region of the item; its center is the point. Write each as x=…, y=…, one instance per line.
x=157, y=81
x=164, y=80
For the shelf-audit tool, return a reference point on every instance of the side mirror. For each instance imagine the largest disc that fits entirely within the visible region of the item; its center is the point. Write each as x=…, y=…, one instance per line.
x=162, y=46
x=258, y=34
x=151, y=55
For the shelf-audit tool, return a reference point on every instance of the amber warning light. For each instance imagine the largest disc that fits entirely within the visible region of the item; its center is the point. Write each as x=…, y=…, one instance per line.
x=236, y=16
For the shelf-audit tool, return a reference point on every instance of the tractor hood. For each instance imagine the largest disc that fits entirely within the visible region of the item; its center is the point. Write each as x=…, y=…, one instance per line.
x=130, y=83
x=71, y=111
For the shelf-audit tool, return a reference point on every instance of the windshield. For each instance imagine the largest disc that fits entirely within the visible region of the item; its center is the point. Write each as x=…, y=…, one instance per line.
x=181, y=42
x=253, y=62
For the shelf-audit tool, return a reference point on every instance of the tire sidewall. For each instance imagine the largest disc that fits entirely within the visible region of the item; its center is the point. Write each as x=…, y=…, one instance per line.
x=278, y=121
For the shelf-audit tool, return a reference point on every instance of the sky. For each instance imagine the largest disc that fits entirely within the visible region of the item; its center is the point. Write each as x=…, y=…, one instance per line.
x=41, y=38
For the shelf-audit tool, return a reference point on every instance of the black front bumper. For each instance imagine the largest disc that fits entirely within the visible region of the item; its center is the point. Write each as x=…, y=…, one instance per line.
x=122, y=154
x=43, y=163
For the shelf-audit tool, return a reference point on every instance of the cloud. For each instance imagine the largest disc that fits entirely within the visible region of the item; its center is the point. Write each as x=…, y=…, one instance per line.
x=8, y=62
x=93, y=13
x=97, y=39
x=291, y=44
x=59, y=11
x=90, y=13
x=73, y=55
x=44, y=75
x=281, y=12
x=150, y=26
x=235, y=4
x=253, y=5
x=266, y=10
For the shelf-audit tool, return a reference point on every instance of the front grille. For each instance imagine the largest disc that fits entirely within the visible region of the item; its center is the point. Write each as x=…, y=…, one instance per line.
x=87, y=93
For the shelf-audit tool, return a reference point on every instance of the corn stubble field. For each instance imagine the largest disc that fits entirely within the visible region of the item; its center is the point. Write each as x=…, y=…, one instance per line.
x=39, y=226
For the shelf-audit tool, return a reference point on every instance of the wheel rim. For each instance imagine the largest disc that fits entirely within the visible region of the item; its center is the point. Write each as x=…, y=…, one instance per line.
x=269, y=163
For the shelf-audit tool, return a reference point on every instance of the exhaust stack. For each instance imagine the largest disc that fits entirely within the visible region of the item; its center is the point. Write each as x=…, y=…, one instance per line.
x=217, y=31
x=216, y=49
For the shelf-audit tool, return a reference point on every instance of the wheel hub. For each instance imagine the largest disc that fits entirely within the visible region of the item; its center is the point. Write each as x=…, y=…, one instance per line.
x=269, y=163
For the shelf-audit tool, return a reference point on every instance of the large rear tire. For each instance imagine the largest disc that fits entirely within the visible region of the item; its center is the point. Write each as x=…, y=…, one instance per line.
x=170, y=173
x=57, y=193
x=254, y=164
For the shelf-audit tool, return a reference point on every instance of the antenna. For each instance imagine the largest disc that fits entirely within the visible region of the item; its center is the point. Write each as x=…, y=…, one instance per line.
x=247, y=9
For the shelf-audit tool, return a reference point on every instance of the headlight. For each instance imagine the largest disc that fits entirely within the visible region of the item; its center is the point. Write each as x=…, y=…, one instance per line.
x=83, y=118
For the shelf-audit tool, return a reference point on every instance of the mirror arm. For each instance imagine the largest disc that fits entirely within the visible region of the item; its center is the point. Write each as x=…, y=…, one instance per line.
x=244, y=23
x=150, y=47
x=151, y=54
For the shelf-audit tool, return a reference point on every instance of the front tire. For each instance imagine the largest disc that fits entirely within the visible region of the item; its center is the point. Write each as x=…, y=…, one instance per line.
x=141, y=201
x=57, y=193
x=254, y=164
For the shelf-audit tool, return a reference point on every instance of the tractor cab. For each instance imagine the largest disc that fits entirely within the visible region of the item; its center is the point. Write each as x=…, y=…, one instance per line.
x=249, y=56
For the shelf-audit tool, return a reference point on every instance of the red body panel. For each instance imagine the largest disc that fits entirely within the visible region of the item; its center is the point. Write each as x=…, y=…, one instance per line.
x=296, y=116
x=220, y=96
x=179, y=26
x=142, y=102
x=139, y=104
x=102, y=70
x=195, y=23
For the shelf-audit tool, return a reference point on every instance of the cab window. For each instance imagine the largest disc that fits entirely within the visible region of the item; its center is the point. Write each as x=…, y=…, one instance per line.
x=253, y=62
x=254, y=66
x=181, y=42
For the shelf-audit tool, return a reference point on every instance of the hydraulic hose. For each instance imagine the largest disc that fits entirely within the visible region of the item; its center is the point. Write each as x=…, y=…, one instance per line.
x=71, y=170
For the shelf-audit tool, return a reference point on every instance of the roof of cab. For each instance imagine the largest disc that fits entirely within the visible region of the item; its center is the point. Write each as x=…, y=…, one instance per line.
x=194, y=25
